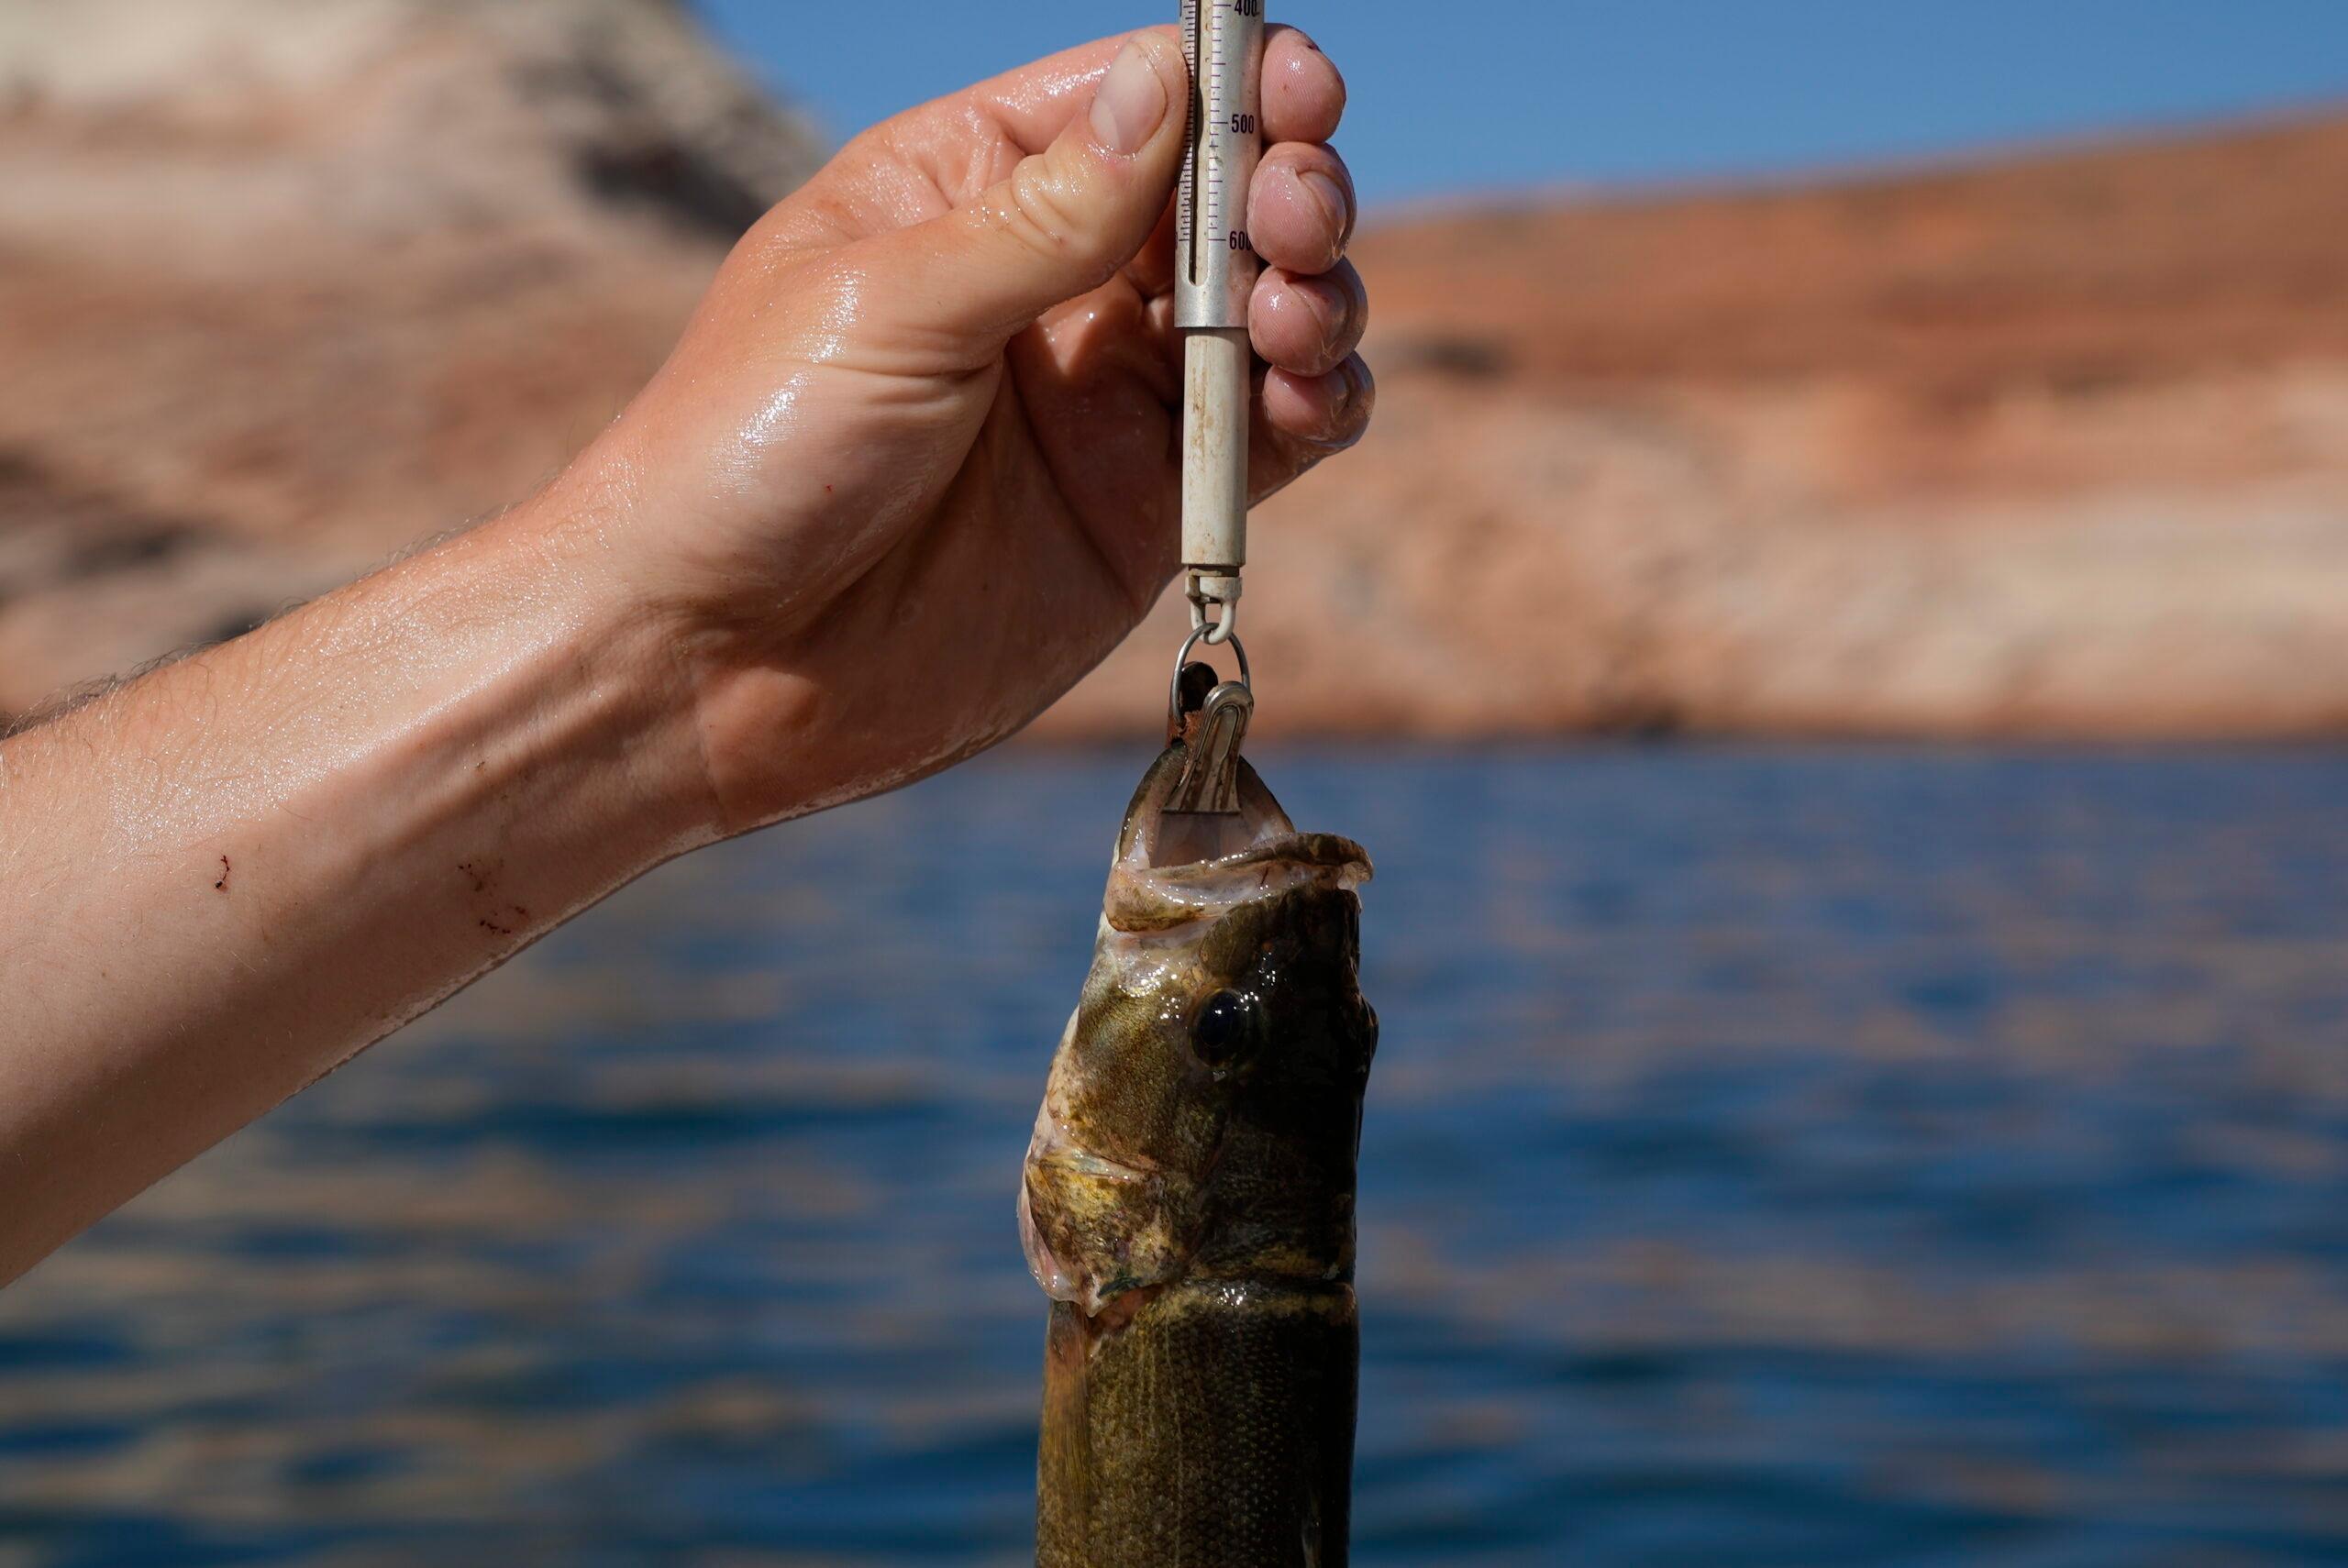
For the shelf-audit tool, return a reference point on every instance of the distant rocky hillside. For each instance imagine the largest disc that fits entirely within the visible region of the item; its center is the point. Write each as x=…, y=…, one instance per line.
x=2052, y=445
x=285, y=284
x=2057, y=445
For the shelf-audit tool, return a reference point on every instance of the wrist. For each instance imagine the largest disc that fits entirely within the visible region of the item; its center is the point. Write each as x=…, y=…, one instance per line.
x=607, y=656
x=697, y=615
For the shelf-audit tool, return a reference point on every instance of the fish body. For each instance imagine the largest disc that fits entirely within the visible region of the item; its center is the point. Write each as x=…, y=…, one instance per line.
x=1188, y=1201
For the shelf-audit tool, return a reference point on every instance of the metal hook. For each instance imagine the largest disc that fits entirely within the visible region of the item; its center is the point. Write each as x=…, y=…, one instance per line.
x=1210, y=780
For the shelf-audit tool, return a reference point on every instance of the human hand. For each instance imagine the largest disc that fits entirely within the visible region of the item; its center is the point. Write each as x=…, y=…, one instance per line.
x=913, y=469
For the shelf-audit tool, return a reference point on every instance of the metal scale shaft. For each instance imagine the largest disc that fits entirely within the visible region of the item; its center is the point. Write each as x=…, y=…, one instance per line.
x=1216, y=270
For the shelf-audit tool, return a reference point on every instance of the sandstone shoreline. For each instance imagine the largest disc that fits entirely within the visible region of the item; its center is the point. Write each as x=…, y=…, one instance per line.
x=2051, y=446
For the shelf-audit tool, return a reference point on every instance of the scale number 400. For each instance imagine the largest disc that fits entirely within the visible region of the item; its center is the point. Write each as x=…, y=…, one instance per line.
x=1247, y=8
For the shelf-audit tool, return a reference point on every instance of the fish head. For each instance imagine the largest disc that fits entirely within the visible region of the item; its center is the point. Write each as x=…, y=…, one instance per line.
x=1204, y=1107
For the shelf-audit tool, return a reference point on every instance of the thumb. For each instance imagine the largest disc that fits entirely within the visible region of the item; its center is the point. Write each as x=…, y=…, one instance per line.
x=1063, y=221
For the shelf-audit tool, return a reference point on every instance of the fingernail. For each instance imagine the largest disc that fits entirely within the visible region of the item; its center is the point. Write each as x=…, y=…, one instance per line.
x=1349, y=385
x=1332, y=197
x=1354, y=400
x=1130, y=103
x=1327, y=316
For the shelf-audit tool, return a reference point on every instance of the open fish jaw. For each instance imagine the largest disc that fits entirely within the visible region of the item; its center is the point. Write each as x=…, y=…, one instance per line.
x=1126, y=1188
x=1189, y=1201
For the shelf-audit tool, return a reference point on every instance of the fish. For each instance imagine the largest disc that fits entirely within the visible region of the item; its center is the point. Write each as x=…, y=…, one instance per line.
x=1188, y=1198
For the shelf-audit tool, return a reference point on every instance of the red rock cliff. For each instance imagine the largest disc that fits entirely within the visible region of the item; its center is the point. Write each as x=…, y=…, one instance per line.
x=2054, y=445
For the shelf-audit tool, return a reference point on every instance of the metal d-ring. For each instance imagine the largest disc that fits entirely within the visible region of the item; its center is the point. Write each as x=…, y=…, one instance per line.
x=1183, y=658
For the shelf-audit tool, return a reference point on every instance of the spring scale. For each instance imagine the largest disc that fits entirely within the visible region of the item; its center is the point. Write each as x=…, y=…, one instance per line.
x=1214, y=275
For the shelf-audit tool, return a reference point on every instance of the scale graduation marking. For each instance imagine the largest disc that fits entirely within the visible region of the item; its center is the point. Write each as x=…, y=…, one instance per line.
x=1222, y=40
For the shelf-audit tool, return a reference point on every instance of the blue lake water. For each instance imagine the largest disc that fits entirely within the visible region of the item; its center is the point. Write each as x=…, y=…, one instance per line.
x=1776, y=1156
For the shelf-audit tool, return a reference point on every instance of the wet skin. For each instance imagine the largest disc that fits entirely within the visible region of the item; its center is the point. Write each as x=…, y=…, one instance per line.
x=908, y=474
x=934, y=522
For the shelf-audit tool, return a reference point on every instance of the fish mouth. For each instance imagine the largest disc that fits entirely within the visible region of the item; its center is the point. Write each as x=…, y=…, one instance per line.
x=1158, y=838
x=1176, y=867
x=1307, y=851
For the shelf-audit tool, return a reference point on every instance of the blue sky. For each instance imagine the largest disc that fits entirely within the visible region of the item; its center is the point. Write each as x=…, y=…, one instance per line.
x=1457, y=99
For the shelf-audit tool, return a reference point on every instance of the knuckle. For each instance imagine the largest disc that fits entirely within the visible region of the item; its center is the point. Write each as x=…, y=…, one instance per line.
x=1039, y=213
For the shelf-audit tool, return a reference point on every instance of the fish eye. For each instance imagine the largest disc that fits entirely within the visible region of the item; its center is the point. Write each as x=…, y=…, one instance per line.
x=1225, y=1025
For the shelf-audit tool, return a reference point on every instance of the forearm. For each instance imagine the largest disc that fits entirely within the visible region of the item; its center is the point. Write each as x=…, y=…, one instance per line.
x=220, y=882
x=910, y=471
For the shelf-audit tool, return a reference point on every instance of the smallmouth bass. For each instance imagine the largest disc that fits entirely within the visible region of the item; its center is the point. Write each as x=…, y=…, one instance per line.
x=1188, y=1201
